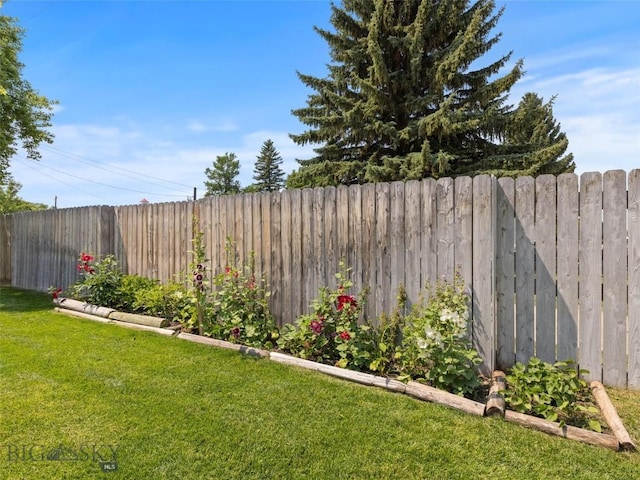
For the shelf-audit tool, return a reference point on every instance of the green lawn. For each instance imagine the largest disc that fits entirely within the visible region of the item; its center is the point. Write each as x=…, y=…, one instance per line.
x=175, y=409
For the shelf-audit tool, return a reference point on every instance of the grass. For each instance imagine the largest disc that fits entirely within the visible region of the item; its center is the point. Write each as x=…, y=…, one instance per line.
x=175, y=409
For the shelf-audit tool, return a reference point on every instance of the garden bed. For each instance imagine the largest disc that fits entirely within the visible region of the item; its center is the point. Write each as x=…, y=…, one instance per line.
x=619, y=441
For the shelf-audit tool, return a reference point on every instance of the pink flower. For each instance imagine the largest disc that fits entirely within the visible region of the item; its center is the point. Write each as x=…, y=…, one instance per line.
x=235, y=331
x=345, y=336
x=346, y=300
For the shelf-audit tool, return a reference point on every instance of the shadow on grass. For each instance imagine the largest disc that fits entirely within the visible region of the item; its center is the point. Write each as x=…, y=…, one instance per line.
x=16, y=300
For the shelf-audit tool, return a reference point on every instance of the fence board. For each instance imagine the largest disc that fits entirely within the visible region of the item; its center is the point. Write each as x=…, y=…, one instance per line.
x=397, y=248
x=505, y=273
x=355, y=253
x=413, y=228
x=319, y=266
x=545, y=228
x=369, y=248
x=428, y=241
x=307, y=253
x=634, y=279
x=445, y=228
x=614, y=204
x=297, y=259
x=331, y=249
x=590, y=270
x=567, y=310
x=525, y=258
x=287, y=245
x=483, y=271
x=463, y=219
x=383, y=259
x=276, y=300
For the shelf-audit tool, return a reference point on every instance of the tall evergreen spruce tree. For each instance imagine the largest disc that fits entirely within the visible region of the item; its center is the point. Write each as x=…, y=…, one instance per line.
x=401, y=100
x=222, y=177
x=267, y=173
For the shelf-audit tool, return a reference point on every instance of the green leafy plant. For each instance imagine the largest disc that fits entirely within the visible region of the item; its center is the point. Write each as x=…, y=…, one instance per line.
x=100, y=283
x=555, y=392
x=437, y=348
x=387, y=338
x=199, y=277
x=172, y=301
x=330, y=333
x=129, y=291
x=239, y=312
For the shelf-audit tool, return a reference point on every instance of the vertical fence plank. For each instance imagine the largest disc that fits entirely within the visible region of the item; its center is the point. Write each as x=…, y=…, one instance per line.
x=276, y=260
x=397, y=248
x=413, y=227
x=525, y=258
x=383, y=260
x=445, y=228
x=590, y=271
x=307, y=252
x=342, y=217
x=356, y=240
x=256, y=229
x=287, y=261
x=265, y=237
x=369, y=248
x=567, y=316
x=505, y=273
x=331, y=248
x=428, y=240
x=614, y=204
x=319, y=269
x=634, y=279
x=463, y=218
x=483, y=270
x=295, y=248
x=545, y=227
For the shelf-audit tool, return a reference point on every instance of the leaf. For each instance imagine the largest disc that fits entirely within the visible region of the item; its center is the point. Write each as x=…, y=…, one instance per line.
x=595, y=426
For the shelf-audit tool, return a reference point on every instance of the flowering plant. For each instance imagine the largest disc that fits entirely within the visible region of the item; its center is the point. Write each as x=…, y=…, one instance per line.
x=436, y=343
x=240, y=312
x=330, y=333
x=101, y=281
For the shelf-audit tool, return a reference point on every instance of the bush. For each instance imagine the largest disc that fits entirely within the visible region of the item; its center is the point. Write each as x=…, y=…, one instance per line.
x=239, y=312
x=331, y=334
x=171, y=301
x=554, y=392
x=436, y=343
x=101, y=281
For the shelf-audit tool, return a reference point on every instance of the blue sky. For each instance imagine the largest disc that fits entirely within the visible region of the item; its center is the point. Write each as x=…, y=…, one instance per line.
x=151, y=92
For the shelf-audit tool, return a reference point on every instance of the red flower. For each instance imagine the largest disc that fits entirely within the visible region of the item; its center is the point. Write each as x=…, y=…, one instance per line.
x=227, y=269
x=86, y=257
x=346, y=300
x=316, y=327
x=345, y=336
x=56, y=292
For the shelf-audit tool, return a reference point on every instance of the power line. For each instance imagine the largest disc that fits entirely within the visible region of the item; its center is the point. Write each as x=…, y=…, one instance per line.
x=107, y=185
x=29, y=164
x=105, y=165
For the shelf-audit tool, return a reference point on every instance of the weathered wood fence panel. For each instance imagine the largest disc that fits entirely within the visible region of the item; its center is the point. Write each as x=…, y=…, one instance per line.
x=552, y=263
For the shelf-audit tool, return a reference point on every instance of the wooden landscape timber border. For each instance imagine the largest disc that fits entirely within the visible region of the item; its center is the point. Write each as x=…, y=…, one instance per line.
x=620, y=441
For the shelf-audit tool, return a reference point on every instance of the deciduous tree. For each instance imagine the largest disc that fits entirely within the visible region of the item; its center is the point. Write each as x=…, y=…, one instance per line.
x=25, y=115
x=222, y=177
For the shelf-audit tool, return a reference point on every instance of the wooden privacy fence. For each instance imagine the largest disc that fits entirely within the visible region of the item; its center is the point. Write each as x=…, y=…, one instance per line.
x=552, y=263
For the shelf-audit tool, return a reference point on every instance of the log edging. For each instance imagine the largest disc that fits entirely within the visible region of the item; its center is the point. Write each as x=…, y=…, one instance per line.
x=495, y=404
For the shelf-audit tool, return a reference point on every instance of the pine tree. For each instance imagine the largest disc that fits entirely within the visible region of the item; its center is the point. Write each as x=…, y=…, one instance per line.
x=222, y=177
x=267, y=173
x=401, y=101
